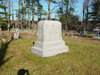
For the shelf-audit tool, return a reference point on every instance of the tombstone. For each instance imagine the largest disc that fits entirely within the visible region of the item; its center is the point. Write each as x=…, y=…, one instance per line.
x=97, y=31
x=0, y=29
x=8, y=26
x=49, y=41
x=16, y=34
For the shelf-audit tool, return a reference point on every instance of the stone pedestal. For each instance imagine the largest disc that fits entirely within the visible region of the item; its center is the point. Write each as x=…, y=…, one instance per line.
x=49, y=41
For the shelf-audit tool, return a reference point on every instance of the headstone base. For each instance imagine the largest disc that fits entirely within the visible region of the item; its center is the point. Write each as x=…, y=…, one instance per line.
x=51, y=51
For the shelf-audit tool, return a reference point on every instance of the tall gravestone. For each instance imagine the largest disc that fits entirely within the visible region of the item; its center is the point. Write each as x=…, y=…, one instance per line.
x=49, y=41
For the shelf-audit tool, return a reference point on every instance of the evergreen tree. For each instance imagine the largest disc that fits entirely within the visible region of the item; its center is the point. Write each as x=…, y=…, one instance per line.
x=3, y=16
x=95, y=15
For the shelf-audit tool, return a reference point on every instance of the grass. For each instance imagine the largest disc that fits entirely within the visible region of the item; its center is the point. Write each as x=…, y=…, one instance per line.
x=82, y=59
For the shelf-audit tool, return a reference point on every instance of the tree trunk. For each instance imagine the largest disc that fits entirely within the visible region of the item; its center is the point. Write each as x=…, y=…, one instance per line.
x=49, y=9
x=83, y=12
x=33, y=9
x=67, y=14
x=18, y=10
x=62, y=7
x=23, y=12
x=29, y=14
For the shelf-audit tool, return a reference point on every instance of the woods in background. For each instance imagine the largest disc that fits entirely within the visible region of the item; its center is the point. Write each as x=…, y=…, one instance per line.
x=26, y=13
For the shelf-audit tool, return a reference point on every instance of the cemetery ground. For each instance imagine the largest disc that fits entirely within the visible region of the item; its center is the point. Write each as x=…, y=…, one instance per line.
x=83, y=58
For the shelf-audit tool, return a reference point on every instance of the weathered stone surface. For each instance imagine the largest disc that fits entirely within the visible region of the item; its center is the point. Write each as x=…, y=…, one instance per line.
x=49, y=41
x=16, y=34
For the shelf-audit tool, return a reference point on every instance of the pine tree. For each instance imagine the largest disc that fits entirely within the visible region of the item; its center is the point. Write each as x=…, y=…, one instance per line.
x=3, y=16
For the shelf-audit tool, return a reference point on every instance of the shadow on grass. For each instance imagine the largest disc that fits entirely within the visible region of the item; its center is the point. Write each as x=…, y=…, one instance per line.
x=3, y=52
x=23, y=72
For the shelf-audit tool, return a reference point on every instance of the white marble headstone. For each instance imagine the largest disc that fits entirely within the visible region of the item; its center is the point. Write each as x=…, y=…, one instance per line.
x=16, y=34
x=49, y=41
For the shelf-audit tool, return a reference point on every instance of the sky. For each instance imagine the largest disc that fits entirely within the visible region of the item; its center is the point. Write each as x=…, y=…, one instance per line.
x=78, y=7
